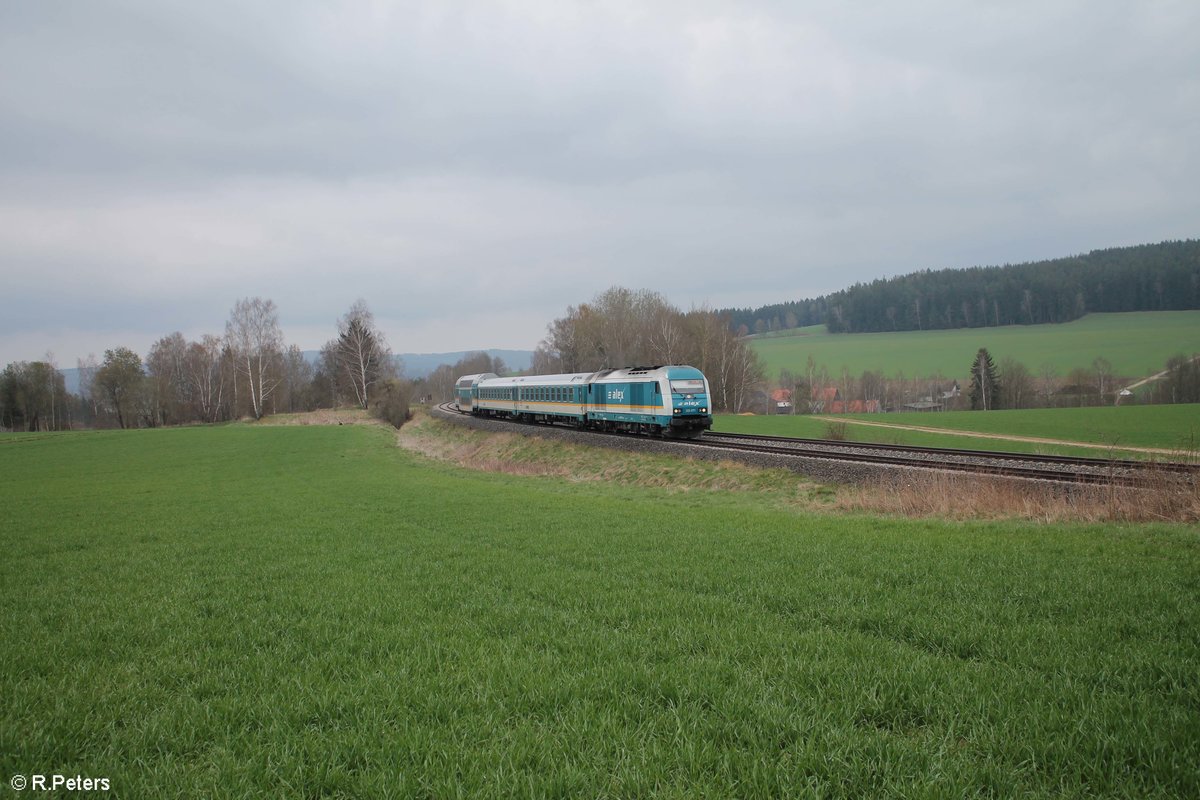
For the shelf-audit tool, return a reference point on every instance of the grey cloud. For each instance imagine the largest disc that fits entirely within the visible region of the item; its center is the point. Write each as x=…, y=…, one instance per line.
x=502, y=161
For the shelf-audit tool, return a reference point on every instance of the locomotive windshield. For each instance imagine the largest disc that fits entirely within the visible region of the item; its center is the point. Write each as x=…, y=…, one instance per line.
x=687, y=387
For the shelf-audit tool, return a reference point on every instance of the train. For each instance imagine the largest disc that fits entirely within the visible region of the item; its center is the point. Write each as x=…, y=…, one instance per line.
x=670, y=401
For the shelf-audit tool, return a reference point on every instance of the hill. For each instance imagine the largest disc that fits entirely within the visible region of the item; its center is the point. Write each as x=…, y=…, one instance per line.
x=1136, y=344
x=419, y=365
x=1151, y=277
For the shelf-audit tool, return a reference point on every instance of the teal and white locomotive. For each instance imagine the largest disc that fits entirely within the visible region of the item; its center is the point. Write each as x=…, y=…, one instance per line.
x=669, y=401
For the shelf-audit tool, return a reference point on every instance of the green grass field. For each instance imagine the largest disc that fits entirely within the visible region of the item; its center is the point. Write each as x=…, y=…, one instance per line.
x=1136, y=344
x=1175, y=427
x=310, y=611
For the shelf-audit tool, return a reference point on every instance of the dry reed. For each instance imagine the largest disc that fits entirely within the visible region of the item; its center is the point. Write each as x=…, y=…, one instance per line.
x=1160, y=497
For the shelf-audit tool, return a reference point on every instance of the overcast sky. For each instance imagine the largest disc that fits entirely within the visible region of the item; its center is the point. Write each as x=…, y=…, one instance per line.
x=471, y=169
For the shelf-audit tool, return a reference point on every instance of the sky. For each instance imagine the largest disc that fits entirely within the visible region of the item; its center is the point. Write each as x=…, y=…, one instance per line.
x=471, y=169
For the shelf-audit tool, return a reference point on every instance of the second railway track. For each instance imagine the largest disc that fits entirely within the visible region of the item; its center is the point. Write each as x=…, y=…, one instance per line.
x=1069, y=469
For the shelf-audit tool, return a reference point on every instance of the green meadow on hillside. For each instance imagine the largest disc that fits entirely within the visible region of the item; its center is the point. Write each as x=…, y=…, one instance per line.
x=1174, y=427
x=311, y=611
x=1136, y=344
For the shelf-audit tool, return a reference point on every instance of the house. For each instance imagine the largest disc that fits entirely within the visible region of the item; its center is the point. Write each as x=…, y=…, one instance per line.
x=855, y=407
x=823, y=398
x=782, y=401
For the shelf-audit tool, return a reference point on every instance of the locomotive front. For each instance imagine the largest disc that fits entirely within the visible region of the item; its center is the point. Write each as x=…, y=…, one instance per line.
x=688, y=401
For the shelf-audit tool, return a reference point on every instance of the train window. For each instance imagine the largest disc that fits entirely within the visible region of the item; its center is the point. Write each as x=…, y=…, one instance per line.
x=688, y=387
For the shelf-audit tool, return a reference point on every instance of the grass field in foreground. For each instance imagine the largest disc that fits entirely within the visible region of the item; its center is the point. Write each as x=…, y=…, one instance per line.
x=1175, y=427
x=1136, y=344
x=309, y=611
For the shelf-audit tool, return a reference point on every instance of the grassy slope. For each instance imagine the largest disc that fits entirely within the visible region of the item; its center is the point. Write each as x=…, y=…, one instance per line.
x=303, y=611
x=1136, y=344
x=1176, y=427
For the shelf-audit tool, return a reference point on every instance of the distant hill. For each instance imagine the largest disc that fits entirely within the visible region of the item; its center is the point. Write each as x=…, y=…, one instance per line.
x=419, y=365
x=1150, y=277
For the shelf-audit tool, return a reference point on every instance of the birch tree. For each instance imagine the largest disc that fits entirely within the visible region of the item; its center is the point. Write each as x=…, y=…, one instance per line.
x=362, y=353
x=205, y=377
x=253, y=336
x=984, y=383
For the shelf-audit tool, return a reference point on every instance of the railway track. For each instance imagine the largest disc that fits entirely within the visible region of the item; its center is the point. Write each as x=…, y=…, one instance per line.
x=1070, y=469
x=1028, y=466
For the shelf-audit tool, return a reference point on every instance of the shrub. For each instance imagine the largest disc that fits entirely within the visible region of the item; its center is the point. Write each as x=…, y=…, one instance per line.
x=392, y=402
x=835, y=431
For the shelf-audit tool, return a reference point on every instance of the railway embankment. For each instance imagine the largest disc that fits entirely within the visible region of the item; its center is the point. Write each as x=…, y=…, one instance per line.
x=811, y=483
x=819, y=469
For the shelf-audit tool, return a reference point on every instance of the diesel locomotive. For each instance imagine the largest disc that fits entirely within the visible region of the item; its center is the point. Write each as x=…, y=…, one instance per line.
x=668, y=401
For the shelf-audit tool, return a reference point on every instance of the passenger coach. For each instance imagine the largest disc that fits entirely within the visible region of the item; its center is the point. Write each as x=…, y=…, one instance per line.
x=672, y=401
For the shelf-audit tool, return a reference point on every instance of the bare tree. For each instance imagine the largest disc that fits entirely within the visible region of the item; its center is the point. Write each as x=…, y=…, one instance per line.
x=253, y=335
x=666, y=335
x=32, y=396
x=205, y=377
x=1104, y=375
x=623, y=328
x=1016, y=384
x=120, y=378
x=88, y=393
x=297, y=380
x=363, y=354
x=166, y=366
x=1048, y=383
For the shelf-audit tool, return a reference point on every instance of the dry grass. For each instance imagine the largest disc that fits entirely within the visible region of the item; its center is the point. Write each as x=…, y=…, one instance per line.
x=1163, y=498
x=323, y=416
x=521, y=454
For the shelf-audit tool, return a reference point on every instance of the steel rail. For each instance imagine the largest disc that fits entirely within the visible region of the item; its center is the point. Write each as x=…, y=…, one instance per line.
x=1061, y=469
x=995, y=455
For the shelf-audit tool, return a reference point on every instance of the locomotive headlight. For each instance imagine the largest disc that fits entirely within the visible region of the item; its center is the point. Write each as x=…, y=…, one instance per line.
x=704, y=411
x=677, y=411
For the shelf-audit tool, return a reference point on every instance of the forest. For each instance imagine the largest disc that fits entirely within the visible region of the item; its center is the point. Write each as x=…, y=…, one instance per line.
x=1151, y=277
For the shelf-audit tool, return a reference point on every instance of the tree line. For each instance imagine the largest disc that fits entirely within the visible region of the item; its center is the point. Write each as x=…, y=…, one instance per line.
x=987, y=384
x=247, y=372
x=1153, y=277
x=250, y=371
